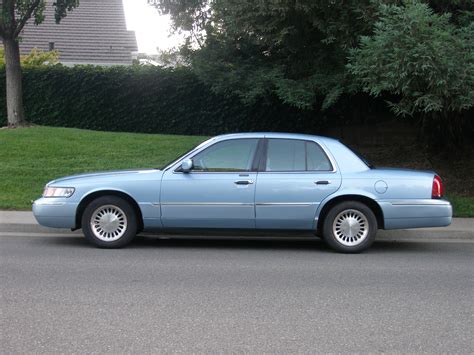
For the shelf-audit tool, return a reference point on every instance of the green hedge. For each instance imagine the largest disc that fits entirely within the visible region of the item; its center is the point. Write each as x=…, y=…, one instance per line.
x=145, y=99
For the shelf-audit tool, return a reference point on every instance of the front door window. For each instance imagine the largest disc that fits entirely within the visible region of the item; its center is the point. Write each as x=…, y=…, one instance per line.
x=228, y=156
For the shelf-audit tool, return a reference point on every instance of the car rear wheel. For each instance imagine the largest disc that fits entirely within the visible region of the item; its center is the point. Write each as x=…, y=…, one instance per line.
x=350, y=227
x=109, y=222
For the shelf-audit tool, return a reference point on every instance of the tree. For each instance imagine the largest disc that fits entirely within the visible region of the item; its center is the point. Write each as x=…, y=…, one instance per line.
x=424, y=60
x=302, y=51
x=295, y=50
x=14, y=14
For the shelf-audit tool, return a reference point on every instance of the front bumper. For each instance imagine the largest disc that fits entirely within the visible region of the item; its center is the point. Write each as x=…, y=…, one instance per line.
x=416, y=213
x=55, y=212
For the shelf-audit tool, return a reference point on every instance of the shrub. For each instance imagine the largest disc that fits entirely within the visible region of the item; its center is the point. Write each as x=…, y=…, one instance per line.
x=144, y=99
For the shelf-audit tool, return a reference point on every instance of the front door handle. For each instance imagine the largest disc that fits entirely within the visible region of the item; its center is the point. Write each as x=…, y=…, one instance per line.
x=322, y=182
x=243, y=182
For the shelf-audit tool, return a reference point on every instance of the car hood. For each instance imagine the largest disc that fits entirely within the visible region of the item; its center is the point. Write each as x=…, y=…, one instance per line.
x=102, y=175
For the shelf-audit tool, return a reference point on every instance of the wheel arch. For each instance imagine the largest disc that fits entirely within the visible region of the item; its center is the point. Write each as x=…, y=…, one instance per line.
x=369, y=202
x=96, y=194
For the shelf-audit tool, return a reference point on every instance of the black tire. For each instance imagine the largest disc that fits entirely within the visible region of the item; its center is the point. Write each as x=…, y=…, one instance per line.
x=117, y=208
x=344, y=242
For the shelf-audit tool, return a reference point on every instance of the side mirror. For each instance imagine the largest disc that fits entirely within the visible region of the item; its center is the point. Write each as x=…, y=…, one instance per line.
x=186, y=165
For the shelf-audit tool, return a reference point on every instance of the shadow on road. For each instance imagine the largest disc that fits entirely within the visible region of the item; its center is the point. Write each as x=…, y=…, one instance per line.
x=297, y=244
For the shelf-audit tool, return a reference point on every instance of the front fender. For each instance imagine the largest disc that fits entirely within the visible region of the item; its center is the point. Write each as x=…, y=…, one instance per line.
x=149, y=211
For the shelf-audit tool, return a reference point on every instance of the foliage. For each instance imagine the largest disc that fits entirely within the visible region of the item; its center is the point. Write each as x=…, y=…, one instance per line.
x=463, y=206
x=419, y=56
x=145, y=99
x=36, y=57
x=314, y=54
x=295, y=50
x=14, y=14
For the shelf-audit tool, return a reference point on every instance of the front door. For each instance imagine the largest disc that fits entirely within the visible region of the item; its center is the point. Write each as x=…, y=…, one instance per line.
x=295, y=177
x=219, y=191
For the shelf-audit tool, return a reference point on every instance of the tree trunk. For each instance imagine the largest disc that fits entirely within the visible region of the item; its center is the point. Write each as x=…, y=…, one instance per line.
x=16, y=114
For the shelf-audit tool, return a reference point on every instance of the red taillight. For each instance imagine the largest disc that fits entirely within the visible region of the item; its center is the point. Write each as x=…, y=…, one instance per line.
x=437, y=190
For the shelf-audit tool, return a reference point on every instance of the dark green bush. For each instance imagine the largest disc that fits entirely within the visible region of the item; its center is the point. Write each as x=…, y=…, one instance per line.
x=145, y=99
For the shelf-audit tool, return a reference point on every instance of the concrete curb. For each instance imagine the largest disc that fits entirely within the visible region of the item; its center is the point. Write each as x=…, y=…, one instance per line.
x=461, y=228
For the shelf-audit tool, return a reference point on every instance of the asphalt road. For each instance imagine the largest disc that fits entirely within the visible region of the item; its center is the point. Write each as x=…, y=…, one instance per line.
x=59, y=295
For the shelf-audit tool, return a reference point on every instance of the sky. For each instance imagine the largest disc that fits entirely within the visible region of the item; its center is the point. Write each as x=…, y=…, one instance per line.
x=151, y=29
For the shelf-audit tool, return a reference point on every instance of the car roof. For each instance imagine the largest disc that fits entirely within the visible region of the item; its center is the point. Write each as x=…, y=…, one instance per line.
x=271, y=135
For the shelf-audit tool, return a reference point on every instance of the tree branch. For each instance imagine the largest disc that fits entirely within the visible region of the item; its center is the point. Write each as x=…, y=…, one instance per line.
x=25, y=18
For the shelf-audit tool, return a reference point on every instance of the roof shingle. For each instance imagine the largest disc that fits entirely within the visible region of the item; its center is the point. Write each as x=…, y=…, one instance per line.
x=93, y=33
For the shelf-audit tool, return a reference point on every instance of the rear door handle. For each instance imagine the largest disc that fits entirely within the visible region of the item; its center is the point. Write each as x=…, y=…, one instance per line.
x=322, y=182
x=243, y=182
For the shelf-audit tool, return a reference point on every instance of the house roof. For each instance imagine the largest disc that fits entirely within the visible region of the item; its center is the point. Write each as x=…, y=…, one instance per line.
x=93, y=33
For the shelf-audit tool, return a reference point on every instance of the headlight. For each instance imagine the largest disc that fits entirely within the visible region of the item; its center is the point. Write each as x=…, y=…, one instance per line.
x=58, y=191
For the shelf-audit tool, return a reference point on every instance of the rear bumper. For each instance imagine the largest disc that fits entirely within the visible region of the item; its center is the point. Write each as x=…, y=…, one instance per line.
x=416, y=213
x=55, y=212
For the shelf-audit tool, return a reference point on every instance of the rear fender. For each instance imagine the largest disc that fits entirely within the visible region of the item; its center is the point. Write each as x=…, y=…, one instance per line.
x=348, y=195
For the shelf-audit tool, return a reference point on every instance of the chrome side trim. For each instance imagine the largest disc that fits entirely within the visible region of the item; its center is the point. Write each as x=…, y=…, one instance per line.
x=206, y=204
x=307, y=172
x=50, y=203
x=417, y=202
x=286, y=204
x=237, y=204
x=215, y=172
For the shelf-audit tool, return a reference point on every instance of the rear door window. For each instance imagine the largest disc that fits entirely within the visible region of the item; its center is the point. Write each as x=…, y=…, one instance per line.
x=295, y=155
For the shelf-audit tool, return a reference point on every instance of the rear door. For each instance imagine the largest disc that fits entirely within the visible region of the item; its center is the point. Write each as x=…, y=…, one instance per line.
x=293, y=179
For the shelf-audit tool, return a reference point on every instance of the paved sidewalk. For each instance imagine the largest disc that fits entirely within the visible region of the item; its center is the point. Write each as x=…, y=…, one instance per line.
x=461, y=228
x=17, y=217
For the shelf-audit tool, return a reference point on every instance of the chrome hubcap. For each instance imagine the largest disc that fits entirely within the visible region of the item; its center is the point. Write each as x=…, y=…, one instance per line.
x=350, y=227
x=108, y=223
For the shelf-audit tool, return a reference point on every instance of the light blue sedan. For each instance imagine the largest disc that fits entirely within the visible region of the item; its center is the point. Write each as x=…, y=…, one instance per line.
x=250, y=181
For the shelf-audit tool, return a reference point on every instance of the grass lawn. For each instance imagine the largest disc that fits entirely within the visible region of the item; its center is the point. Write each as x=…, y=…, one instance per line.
x=463, y=205
x=30, y=157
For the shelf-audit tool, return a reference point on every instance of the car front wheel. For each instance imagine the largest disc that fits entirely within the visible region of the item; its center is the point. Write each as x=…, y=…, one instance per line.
x=350, y=227
x=109, y=222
